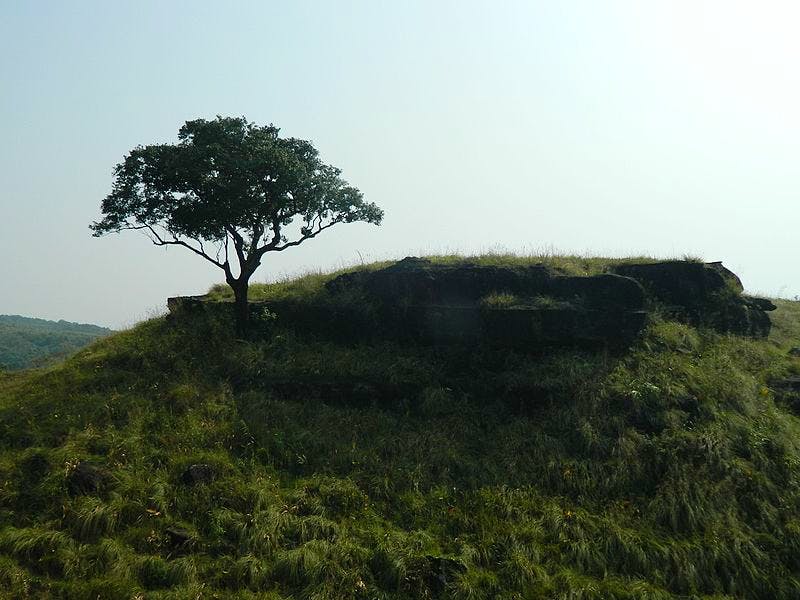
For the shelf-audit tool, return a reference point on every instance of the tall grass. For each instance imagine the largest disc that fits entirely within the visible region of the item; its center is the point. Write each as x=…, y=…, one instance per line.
x=395, y=471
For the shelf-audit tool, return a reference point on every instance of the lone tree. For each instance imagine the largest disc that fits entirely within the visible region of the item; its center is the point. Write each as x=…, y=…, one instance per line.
x=230, y=191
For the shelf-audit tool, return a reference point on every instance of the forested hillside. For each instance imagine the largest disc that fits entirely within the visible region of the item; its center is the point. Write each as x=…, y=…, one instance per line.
x=27, y=342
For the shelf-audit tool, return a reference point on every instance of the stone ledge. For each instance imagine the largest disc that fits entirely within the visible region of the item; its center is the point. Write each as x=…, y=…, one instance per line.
x=415, y=299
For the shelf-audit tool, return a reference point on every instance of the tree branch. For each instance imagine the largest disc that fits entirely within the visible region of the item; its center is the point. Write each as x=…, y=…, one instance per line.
x=159, y=241
x=276, y=237
x=258, y=231
x=238, y=245
x=308, y=236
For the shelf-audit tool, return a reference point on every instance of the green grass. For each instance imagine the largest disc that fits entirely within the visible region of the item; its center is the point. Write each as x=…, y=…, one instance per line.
x=786, y=324
x=395, y=471
x=500, y=300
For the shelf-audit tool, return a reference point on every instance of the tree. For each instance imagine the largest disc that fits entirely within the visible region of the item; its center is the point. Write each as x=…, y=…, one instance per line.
x=230, y=192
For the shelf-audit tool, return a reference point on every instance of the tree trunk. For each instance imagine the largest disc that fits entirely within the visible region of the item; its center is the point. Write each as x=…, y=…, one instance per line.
x=241, y=307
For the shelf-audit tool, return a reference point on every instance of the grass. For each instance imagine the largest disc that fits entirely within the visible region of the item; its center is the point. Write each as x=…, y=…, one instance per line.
x=500, y=300
x=786, y=324
x=393, y=471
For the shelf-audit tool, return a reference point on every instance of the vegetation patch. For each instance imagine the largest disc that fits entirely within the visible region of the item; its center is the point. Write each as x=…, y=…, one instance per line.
x=26, y=342
x=390, y=470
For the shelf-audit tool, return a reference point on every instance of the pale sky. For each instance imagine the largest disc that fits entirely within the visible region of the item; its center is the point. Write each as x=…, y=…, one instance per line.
x=602, y=128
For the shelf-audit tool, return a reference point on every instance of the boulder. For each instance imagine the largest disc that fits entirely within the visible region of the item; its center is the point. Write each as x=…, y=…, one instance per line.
x=179, y=537
x=198, y=473
x=787, y=391
x=522, y=326
x=703, y=294
x=185, y=303
x=418, y=282
x=441, y=572
x=679, y=283
x=741, y=316
x=87, y=478
x=731, y=278
x=34, y=467
x=764, y=304
x=787, y=385
x=444, y=304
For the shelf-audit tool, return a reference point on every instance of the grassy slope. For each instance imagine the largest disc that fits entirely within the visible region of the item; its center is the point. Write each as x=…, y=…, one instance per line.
x=351, y=471
x=25, y=342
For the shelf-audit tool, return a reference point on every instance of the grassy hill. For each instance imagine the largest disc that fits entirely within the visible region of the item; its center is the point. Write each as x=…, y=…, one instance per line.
x=173, y=461
x=26, y=342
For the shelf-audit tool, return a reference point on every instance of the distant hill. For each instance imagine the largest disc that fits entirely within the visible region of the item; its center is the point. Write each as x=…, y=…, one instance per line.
x=27, y=342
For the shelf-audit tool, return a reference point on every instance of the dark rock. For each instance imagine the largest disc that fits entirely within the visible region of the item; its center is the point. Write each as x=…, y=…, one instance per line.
x=198, y=473
x=703, y=294
x=442, y=304
x=418, y=282
x=764, y=304
x=742, y=316
x=343, y=390
x=178, y=537
x=787, y=385
x=415, y=299
x=794, y=351
x=601, y=292
x=87, y=478
x=185, y=303
x=787, y=391
x=521, y=326
x=32, y=471
x=34, y=467
x=680, y=283
x=731, y=278
x=410, y=263
x=442, y=572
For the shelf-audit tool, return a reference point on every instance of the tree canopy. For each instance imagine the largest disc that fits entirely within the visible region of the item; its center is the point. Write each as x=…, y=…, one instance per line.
x=230, y=191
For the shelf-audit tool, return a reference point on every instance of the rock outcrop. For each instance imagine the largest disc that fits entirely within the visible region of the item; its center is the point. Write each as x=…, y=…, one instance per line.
x=787, y=391
x=179, y=538
x=87, y=478
x=513, y=306
x=519, y=306
x=703, y=294
x=418, y=282
x=197, y=474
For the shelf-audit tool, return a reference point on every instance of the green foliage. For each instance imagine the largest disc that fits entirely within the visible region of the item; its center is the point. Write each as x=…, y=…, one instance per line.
x=786, y=323
x=395, y=471
x=229, y=174
x=236, y=186
x=26, y=342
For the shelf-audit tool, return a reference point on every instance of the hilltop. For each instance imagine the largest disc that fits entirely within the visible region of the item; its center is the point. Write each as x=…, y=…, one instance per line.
x=175, y=461
x=26, y=342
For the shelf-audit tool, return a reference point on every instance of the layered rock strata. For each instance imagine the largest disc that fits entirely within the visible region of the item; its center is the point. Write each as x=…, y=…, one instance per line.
x=528, y=306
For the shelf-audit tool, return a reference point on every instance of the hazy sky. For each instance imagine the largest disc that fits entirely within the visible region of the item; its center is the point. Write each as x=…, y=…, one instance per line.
x=660, y=128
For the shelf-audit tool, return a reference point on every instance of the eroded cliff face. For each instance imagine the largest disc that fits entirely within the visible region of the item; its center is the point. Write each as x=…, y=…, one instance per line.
x=703, y=294
x=515, y=306
x=528, y=306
